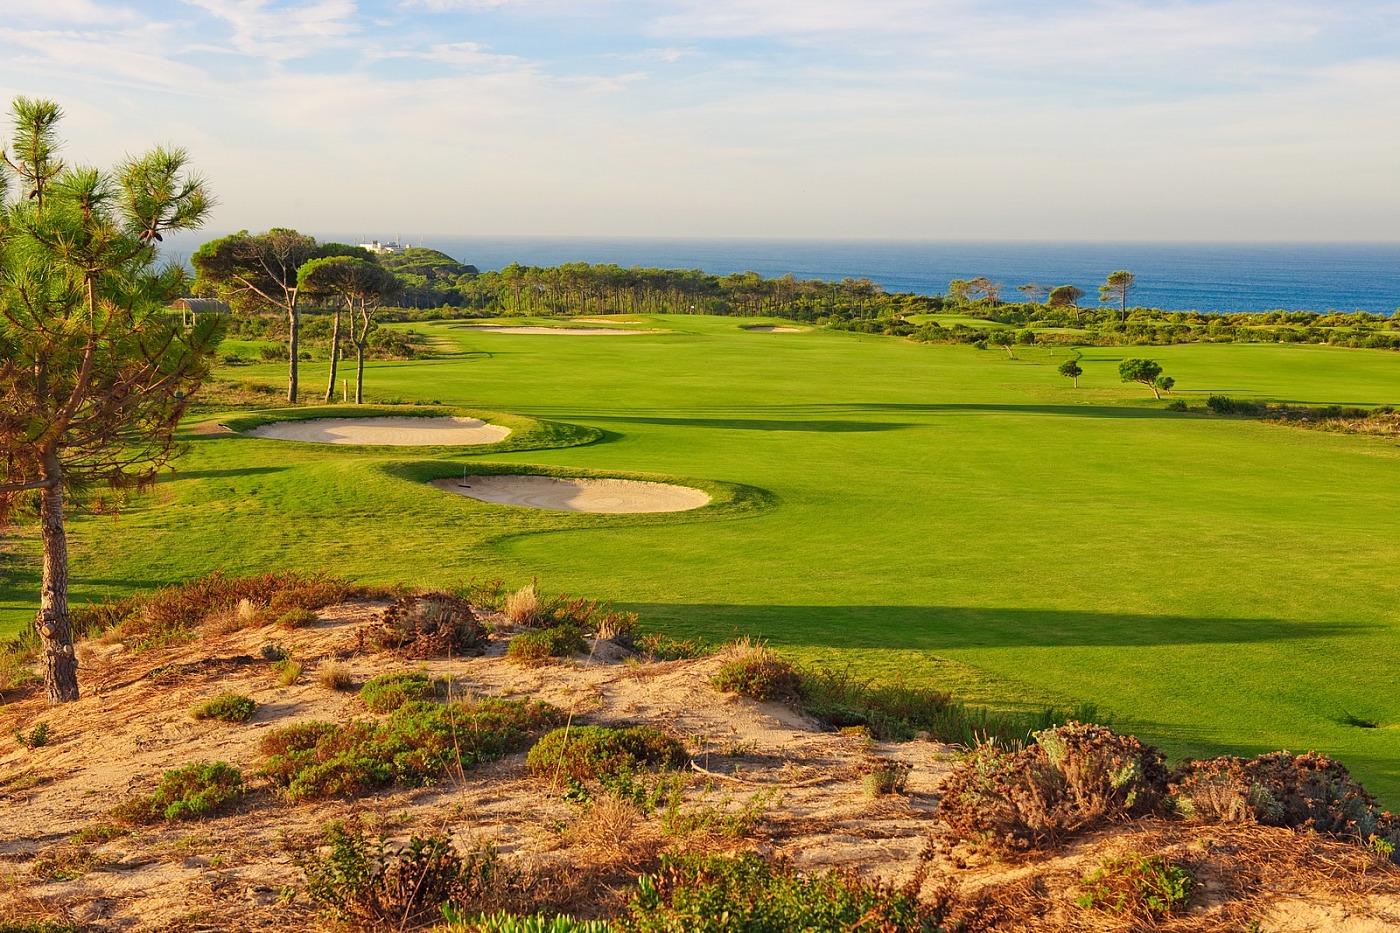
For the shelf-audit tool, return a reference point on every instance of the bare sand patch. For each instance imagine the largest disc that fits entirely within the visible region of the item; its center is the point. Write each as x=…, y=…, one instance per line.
x=563, y=494
x=567, y=331
x=393, y=432
x=773, y=329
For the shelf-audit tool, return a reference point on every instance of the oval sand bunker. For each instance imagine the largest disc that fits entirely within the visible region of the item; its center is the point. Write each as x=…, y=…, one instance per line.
x=394, y=432
x=577, y=495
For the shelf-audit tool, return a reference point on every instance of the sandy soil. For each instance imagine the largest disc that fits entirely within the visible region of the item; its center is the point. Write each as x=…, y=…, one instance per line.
x=396, y=432
x=570, y=331
x=237, y=873
x=577, y=495
x=767, y=329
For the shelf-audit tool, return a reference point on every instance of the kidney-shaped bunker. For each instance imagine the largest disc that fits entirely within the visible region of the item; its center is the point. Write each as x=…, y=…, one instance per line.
x=576, y=494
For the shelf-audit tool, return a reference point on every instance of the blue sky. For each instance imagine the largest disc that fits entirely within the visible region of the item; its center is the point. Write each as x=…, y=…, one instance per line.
x=938, y=119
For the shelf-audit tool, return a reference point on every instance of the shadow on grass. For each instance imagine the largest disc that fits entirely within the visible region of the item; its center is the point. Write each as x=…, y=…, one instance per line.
x=770, y=417
x=178, y=475
x=757, y=424
x=950, y=627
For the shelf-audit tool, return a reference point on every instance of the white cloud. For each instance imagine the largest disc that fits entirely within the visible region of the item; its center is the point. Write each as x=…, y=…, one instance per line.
x=263, y=30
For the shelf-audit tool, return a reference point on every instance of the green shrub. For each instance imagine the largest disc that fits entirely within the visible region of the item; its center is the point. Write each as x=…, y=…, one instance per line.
x=1143, y=888
x=719, y=894
x=226, y=707
x=757, y=672
x=542, y=645
x=1075, y=777
x=595, y=753
x=380, y=887
x=388, y=692
x=39, y=926
x=655, y=647
x=297, y=618
x=288, y=671
x=189, y=793
x=514, y=923
x=417, y=744
x=36, y=737
x=888, y=777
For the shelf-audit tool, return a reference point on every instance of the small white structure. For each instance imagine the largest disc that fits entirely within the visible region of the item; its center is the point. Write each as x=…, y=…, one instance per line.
x=391, y=248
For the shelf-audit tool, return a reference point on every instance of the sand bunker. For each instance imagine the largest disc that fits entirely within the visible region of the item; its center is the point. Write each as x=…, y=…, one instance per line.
x=570, y=331
x=771, y=329
x=577, y=495
x=396, y=432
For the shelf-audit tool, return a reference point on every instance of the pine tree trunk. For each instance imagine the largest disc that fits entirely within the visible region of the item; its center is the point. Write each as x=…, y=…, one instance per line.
x=292, y=349
x=55, y=629
x=359, y=374
x=335, y=356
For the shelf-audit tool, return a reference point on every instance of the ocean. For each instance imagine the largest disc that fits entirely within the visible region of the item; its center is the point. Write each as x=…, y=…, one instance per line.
x=1224, y=277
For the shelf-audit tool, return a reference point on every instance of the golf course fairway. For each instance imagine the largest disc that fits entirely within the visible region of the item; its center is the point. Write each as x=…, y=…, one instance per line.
x=941, y=514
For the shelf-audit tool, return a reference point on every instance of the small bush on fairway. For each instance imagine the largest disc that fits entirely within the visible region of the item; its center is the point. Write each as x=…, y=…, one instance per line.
x=542, y=645
x=1074, y=778
x=756, y=671
x=718, y=894
x=431, y=625
x=417, y=744
x=591, y=753
x=226, y=707
x=1141, y=888
x=189, y=793
x=388, y=692
x=377, y=886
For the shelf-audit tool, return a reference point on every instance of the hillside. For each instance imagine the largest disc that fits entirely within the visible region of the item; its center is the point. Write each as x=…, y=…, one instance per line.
x=759, y=778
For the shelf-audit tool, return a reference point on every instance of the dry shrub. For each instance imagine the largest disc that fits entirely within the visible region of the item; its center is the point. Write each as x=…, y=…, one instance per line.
x=172, y=613
x=1075, y=777
x=1308, y=791
x=431, y=625
x=523, y=606
x=756, y=671
x=613, y=832
x=333, y=675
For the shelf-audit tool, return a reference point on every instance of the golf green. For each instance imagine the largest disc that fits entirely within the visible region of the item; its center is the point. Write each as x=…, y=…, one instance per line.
x=939, y=514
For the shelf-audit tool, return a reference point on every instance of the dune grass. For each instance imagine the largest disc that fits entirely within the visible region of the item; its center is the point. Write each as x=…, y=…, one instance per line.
x=939, y=514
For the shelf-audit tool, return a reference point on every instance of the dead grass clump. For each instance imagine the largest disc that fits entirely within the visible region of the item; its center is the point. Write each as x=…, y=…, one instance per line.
x=756, y=671
x=1075, y=777
x=613, y=832
x=431, y=625
x=523, y=606
x=333, y=675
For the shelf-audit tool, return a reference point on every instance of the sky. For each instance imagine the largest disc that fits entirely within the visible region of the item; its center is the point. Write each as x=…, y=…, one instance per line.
x=1145, y=120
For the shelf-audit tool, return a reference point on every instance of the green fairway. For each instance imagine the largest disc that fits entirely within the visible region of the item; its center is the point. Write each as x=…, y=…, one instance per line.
x=937, y=513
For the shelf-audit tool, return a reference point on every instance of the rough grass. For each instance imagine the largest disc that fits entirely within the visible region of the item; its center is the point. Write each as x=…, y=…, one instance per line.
x=419, y=743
